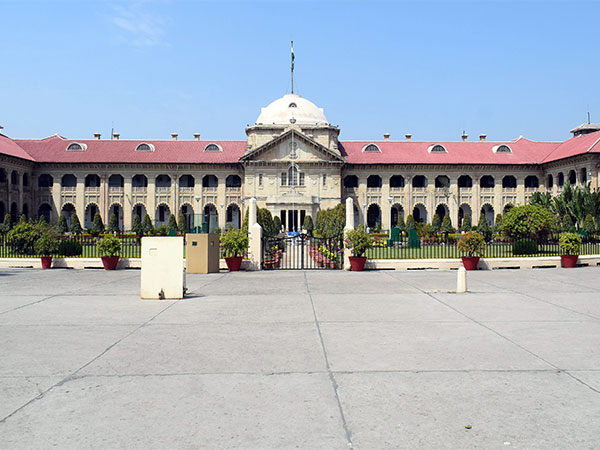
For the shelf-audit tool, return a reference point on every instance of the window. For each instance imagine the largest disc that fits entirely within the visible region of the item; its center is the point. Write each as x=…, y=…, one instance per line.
x=437, y=149
x=503, y=149
x=293, y=105
x=143, y=147
x=301, y=179
x=351, y=181
x=371, y=148
x=212, y=148
x=396, y=181
x=283, y=179
x=486, y=181
x=260, y=179
x=324, y=180
x=76, y=147
x=292, y=177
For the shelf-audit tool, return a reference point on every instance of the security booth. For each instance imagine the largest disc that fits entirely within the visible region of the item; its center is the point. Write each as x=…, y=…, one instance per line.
x=202, y=252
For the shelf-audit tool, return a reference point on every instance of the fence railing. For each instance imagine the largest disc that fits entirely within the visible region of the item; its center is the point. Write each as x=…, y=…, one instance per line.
x=445, y=247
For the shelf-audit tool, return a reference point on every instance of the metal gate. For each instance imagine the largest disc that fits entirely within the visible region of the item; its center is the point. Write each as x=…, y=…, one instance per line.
x=302, y=252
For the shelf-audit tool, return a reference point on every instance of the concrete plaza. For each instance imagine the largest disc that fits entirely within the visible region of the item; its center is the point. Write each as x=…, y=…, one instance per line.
x=307, y=360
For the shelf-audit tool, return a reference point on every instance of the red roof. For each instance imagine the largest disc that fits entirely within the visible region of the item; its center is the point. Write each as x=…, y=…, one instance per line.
x=524, y=151
x=53, y=149
x=10, y=148
x=584, y=143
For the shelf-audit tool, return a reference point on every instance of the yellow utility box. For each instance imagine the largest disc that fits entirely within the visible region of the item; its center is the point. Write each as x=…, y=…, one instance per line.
x=202, y=253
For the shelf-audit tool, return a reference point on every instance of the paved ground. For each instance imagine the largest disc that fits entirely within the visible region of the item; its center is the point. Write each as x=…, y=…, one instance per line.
x=309, y=360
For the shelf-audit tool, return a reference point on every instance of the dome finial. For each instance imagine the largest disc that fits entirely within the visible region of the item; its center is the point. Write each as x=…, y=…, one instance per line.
x=292, y=69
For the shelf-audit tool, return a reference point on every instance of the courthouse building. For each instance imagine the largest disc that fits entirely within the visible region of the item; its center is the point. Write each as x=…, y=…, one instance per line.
x=294, y=164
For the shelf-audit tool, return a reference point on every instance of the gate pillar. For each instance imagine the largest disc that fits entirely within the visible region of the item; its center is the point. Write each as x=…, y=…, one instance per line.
x=254, y=238
x=349, y=226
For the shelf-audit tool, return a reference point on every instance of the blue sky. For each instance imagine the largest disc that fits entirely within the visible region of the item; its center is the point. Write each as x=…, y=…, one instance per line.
x=432, y=69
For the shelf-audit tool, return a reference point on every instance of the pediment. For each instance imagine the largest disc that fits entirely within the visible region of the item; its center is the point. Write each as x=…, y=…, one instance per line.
x=292, y=146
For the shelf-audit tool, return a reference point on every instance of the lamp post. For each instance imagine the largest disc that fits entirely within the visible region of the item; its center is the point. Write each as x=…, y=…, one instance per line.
x=223, y=215
x=364, y=205
x=390, y=200
x=197, y=214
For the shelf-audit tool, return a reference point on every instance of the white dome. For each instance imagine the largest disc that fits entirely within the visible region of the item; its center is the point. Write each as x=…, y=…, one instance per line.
x=292, y=105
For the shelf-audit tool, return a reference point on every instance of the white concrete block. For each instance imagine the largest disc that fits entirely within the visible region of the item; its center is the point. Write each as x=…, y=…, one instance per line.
x=461, y=280
x=163, y=274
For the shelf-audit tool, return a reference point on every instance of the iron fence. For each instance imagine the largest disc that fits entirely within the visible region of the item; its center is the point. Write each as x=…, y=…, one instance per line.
x=445, y=247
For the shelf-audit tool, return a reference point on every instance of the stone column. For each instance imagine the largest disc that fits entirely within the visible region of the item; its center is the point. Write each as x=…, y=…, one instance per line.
x=349, y=226
x=80, y=200
x=475, y=200
x=453, y=201
x=151, y=197
x=128, y=203
x=175, y=196
x=254, y=238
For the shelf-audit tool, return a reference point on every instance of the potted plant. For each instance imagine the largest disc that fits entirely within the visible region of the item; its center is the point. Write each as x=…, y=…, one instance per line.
x=109, y=247
x=45, y=246
x=473, y=244
x=235, y=243
x=570, y=246
x=359, y=241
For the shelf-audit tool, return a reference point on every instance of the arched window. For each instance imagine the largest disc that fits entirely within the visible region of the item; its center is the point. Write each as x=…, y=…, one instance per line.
x=2, y=176
x=292, y=105
x=92, y=180
x=212, y=148
x=503, y=149
x=45, y=181
x=509, y=182
x=144, y=147
x=187, y=181
x=582, y=176
x=487, y=181
x=139, y=181
x=419, y=181
x=374, y=181
x=550, y=181
x=350, y=181
x=14, y=177
x=76, y=147
x=115, y=181
x=163, y=181
x=572, y=177
x=371, y=148
x=233, y=181
x=68, y=180
x=532, y=182
x=465, y=181
x=294, y=177
x=396, y=181
x=442, y=181
x=561, y=179
x=25, y=179
x=210, y=181
x=437, y=149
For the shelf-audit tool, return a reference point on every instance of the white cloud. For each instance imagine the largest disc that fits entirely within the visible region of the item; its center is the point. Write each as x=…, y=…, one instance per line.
x=137, y=25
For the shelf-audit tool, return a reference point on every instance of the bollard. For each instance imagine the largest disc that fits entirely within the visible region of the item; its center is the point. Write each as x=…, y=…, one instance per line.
x=461, y=281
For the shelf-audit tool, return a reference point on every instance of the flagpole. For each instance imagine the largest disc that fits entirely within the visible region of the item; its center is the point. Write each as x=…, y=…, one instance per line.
x=292, y=68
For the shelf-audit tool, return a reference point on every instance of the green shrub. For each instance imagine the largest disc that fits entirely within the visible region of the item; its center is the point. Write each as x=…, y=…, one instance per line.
x=265, y=220
x=331, y=222
x=172, y=224
x=234, y=242
x=69, y=247
x=277, y=223
x=109, y=245
x=567, y=224
x=22, y=237
x=436, y=223
x=75, y=225
x=466, y=223
x=484, y=228
x=498, y=223
x=47, y=243
x=182, y=225
x=589, y=226
x=410, y=222
x=62, y=224
x=147, y=225
x=161, y=231
x=7, y=224
x=472, y=243
x=525, y=246
x=136, y=226
x=447, y=225
x=97, y=226
x=401, y=225
x=113, y=224
x=528, y=221
x=570, y=244
x=359, y=241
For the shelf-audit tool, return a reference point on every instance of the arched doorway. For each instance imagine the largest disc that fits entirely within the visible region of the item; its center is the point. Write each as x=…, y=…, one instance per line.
x=163, y=212
x=26, y=210
x=14, y=212
x=187, y=212
x=374, y=216
x=2, y=212
x=45, y=211
x=233, y=216
x=397, y=212
x=117, y=210
x=441, y=210
x=463, y=210
x=90, y=212
x=488, y=211
x=420, y=213
x=211, y=218
x=140, y=211
x=68, y=210
x=356, y=215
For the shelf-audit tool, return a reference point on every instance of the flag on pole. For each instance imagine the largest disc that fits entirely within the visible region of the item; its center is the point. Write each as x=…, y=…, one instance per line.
x=293, y=55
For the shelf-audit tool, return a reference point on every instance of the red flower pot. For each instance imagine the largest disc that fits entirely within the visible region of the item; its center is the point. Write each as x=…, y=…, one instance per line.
x=470, y=262
x=46, y=262
x=568, y=261
x=110, y=262
x=357, y=263
x=234, y=263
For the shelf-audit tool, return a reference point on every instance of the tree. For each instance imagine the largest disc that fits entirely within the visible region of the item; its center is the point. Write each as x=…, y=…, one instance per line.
x=447, y=225
x=498, y=224
x=589, y=225
x=436, y=223
x=484, y=227
x=330, y=222
x=277, y=223
x=62, y=224
x=400, y=225
x=113, y=224
x=75, y=225
x=265, y=220
x=147, y=225
x=172, y=225
x=528, y=221
x=7, y=224
x=97, y=226
x=137, y=227
x=567, y=224
x=308, y=225
x=466, y=223
x=410, y=222
x=182, y=225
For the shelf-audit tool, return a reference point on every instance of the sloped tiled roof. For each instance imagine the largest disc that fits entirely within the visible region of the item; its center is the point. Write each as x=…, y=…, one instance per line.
x=53, y=149
x=578, y=145
x=10, y=148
